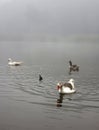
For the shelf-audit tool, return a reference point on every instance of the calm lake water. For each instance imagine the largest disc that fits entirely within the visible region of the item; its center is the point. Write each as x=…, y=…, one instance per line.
x=27, y=104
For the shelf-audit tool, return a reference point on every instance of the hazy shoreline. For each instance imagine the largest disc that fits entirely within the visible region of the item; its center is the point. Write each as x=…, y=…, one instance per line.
x=44, y=38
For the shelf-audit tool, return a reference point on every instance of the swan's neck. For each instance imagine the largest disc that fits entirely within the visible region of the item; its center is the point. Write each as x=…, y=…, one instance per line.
x=10, y=60
x=73, y=85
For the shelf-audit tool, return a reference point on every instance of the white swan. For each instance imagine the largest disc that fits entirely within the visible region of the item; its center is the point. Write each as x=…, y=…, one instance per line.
x=14, y=63
x=66, y=88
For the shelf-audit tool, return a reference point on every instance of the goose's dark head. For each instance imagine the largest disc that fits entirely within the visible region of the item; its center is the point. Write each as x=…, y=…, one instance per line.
x=70, y=62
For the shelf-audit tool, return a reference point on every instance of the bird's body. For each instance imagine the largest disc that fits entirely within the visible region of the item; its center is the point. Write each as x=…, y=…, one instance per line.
x=73, y=67
x=66, y=88
x=14, y=63
x=40, y=78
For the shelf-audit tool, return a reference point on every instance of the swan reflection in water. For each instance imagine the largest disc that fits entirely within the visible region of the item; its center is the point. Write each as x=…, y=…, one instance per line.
x=60, y=99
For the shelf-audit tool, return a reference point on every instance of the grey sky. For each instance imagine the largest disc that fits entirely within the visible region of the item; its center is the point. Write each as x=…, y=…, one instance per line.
x=51, y=17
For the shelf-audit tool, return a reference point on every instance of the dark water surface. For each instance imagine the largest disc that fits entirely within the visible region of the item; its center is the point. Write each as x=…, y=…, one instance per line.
x=27, y=104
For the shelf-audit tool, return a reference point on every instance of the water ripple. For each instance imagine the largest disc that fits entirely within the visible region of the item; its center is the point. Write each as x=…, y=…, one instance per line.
x=24, y=80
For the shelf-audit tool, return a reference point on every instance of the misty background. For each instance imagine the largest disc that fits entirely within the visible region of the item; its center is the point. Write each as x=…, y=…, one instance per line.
x=38, y=19
x=45, y=35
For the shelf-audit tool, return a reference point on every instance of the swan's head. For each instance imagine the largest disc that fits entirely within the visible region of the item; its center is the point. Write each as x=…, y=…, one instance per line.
x=9, y=59
x=59, y=85
x=71, y=81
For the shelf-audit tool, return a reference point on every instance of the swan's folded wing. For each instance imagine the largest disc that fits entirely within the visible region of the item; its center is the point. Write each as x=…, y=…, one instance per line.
x=68, y=85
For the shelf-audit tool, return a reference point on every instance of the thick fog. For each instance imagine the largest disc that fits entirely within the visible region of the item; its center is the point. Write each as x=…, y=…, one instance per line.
x=28, y=18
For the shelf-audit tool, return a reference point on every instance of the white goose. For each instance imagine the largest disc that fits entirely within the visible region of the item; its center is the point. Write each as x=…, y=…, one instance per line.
x=66, y=88
x=14, y=63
